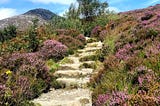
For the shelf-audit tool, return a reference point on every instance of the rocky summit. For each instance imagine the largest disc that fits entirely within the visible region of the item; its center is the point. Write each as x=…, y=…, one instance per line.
x=23, y=21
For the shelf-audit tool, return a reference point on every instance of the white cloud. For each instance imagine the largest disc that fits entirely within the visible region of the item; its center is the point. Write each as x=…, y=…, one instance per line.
x=113, y=9
x=3, y=1
x=7, y=12
x=152, y=2
x=65, y=2
x=62, y=13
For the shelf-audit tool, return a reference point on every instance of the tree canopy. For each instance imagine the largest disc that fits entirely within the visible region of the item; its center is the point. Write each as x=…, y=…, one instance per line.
x=90, y=8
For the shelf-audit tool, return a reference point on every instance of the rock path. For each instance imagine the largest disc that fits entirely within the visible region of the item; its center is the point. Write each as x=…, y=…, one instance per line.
x=75, y=80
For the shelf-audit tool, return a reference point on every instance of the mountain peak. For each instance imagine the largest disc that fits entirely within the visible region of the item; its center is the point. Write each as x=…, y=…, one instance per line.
x=40, y=12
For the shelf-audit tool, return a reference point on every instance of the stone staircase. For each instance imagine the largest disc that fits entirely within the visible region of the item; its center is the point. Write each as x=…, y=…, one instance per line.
x=75, y=80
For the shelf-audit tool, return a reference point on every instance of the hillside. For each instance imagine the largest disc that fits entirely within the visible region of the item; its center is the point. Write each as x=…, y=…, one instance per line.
x=117, y=64
x=131, y=72
x=23, y=21
x=42, y=13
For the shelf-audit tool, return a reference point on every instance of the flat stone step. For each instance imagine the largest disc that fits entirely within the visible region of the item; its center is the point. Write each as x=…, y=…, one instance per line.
x=96, y=44
x=74, y=82
x=86, y=53
x=88, y=62
x=89, y=49
x=63, y=97
x=73, y=73
x=73, y=66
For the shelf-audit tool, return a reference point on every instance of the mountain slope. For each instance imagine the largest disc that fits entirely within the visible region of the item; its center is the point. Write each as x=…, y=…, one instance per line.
x=42, y=13
x=23, y=21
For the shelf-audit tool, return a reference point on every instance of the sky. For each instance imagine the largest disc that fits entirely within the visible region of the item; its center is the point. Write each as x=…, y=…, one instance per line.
x=10, y=8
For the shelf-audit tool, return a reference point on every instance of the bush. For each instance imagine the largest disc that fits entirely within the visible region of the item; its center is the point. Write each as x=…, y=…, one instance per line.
x=52, y=49
x=8, y=33
x=81, y=38
x=96, y=31
x=69, y=32
x=72, y=43
x=147, y=16
x=27, y=78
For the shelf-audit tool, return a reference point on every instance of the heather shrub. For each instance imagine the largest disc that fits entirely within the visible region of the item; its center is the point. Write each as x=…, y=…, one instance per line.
x=52, y=49
x=141, y=99
x=96, y=31
x=102, y=35
x=71, y=43
x=113, y=99
x=68, y=32
x=125, y=52
x=81, y=38
x=148, y=15
x=27, y=78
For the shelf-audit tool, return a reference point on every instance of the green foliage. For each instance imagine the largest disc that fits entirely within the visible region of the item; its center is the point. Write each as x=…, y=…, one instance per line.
x=66, y=60
x=72, y=13
x=65, y=23
x=89, y=58
x=8, y=33
x=88, y=65
x=32, y=37
x=52, y=65
x=91, y=8
x=72, y=43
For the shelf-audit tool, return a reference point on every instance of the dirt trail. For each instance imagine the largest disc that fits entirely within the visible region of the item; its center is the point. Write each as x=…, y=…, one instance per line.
x=75, y=80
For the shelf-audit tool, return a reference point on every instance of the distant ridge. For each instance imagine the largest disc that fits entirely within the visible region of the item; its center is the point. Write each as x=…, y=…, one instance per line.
x=23, y=21
x=43, y=13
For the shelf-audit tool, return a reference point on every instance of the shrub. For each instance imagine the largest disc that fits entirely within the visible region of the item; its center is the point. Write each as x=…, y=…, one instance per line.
x=102, y=35
x=89, y=58
x=148, y=15
x=32, y=38
x=96, y=31
x=81, y=38
x=52, y=49
x=68, y=32
x=114, y=99
x=28, y=79
x=72, y=43
x=8, y=33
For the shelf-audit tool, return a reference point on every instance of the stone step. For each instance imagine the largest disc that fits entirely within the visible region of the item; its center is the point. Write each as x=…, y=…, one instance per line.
x=74, y=82
x=86, y=53
x=73, y=73
x=89, y=49
x=96, y=44
x=88, y=62
x=64, y=97
x=72, y=66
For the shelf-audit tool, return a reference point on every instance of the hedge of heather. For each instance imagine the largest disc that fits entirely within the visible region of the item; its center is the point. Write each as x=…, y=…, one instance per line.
x=81, y=38
x=24, y=76
x=52, y=49
x=72, y=43
x=96, y=31
x=131, y=67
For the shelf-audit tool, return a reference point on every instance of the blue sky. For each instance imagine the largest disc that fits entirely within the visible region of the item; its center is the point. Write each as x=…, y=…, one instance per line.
x=10, y=8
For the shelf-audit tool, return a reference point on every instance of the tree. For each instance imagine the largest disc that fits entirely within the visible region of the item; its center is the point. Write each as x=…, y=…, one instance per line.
x=7, y=33
x=33, y=41
x=88, y=9
x=73, y=12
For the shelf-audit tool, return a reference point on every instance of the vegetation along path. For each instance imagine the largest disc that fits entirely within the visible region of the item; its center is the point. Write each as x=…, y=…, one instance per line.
x=75, y=76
